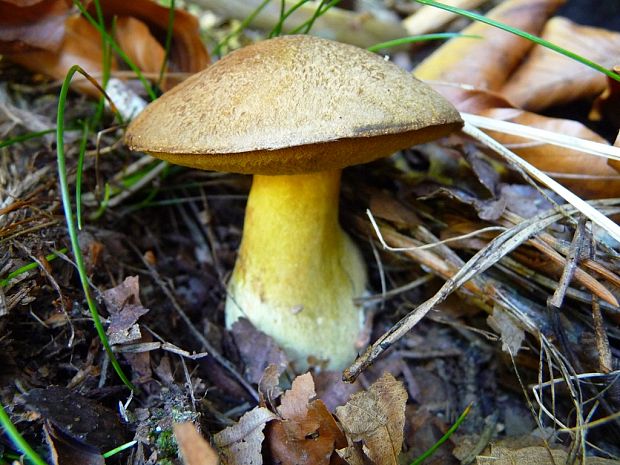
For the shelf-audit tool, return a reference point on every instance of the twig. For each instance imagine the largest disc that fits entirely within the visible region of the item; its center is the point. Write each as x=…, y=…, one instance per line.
x=485, y=258
x=197, y=334
x=572, y=261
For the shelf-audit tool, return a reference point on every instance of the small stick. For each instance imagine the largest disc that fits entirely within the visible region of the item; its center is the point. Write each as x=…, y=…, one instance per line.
x=572, y=260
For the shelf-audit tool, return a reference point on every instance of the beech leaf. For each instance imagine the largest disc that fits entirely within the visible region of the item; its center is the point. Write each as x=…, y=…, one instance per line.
x=547, y=78
x=241, y=443
x=486, y=63
x=377, y=418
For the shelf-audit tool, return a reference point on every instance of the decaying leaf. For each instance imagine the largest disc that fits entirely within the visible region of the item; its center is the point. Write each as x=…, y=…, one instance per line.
x=64, y=451
x=512, y=335
x=606, y=105
x=81, y=45
x=44, y=39
x=257, y=350
x=486, y=63
x=587, y=175
x=535, y=455
x=123, y=303
x=193, y=447
x=307, y=433
x=547, y=78
x=241, y=443
x=377, y=418
x=32, y=24
x=78, y=418
x=430, y=19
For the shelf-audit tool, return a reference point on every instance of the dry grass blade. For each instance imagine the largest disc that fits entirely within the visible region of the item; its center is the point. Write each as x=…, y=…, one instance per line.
x=485, y=258
x=587, y=210
x=575, y=143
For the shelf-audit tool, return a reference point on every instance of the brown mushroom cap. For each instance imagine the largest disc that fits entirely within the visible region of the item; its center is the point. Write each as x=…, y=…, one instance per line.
x=290, y=105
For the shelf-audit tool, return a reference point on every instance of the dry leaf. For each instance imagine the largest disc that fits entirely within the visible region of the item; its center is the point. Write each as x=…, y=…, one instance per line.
x=486, y=63
x=32, y=24
x=64, y=451
x=136, y=40
x=123, y=303
x=193, y=447
x=257, y=350
x=241, y=443
x=43, y=39
x=535, y=455
x=511, y=333
x=578, y=171
x=307, y=433
x=606, y=105
x=547, y=78
x=430, y=19
x=187, y=52
x=377, y=418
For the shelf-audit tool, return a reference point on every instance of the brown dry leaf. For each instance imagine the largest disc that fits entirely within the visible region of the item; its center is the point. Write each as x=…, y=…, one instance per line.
x=48, y=42
x=257, y=350
x=606, y=105
x=511, y=333
x=486, y=63
x=377, y=418
x=241, y=443
x=123, y=303
x=81, y=45
x=187, y=52
x=535, y=455
x=32, y=24
x=135, y=39
x=307, y=433
x=193, y=447
x=547, y=78
x=430, y=19
x=578, y=171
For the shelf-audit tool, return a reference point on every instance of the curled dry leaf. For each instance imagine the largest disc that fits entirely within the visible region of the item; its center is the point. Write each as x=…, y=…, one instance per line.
x=547, y=78
x=486, y=63
x=193, y=447
x=44, y=39
x=187, y=53
x=32, y=24
x=377, y=418
x=606, y=105
x=307, y=433
x=81, y=45
x=241, y=443
x=147, y=53
x=534, y=455
x=430, y=19
x=586, y=175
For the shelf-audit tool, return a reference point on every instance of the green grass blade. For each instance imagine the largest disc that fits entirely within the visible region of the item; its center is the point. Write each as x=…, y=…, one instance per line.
x=419, y=38
x=168, y=43
x=66, y=201
x=245, y=23
x=25, y=137
x=18, y=440
x=29, y=267
x=525, y=35
x=323, y=7
x=431, y=450
x=79, y=173
x=145, y=83
x=118, y=449
x=277, y=29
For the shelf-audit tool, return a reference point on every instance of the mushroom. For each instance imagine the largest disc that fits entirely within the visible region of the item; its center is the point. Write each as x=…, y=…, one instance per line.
x=294, y=111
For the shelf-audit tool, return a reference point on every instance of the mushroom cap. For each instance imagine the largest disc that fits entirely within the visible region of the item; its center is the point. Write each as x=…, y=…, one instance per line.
x=290, y=105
